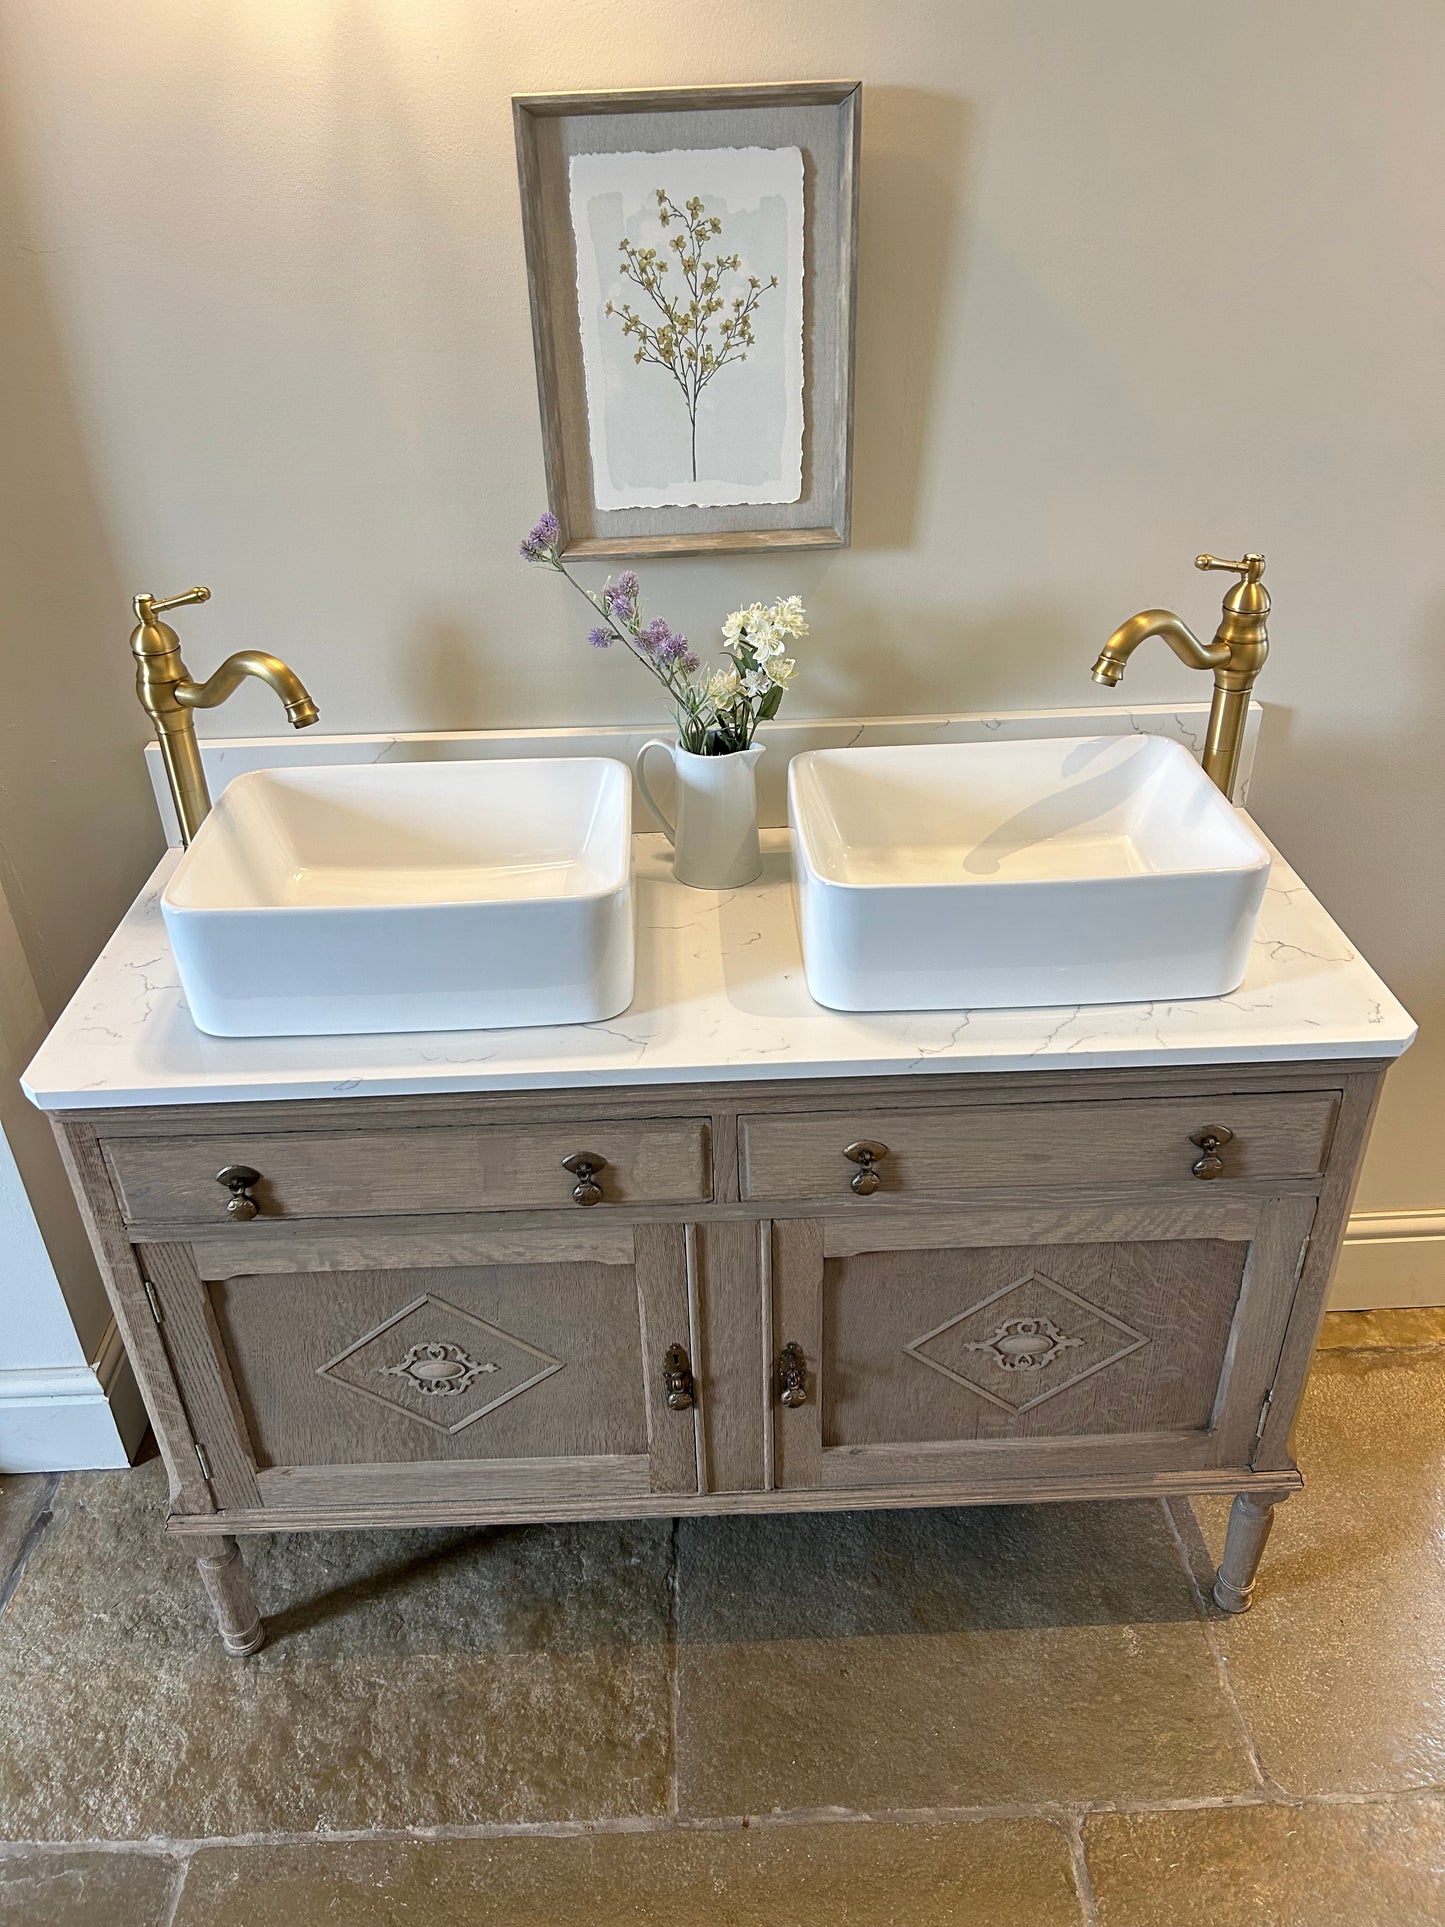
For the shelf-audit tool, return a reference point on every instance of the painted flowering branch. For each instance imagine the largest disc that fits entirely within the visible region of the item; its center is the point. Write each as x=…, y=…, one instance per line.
x=679, y=337
x=717, y=714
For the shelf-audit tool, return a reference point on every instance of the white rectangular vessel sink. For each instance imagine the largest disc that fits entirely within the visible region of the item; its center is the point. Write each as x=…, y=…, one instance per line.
x=1074, y=870
x=408, y=896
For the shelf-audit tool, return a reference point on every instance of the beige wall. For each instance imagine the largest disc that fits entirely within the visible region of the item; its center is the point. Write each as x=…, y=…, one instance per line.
x=1137, y=278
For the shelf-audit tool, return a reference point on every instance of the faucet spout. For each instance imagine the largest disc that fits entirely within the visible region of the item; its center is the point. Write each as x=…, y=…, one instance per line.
x=168, y=694
x=1236, y=656
x=301, y=712
x=1114, y=656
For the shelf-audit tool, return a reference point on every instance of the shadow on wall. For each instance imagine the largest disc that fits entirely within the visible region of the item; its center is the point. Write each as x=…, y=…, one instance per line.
x=1388, y=819
x=1012, y=651
x=419, y=321
x=446, y=662
x=915, y=152
x=78, y=829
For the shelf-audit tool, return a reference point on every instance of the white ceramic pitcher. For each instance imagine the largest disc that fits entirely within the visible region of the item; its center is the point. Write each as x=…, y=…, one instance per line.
x=715, y=838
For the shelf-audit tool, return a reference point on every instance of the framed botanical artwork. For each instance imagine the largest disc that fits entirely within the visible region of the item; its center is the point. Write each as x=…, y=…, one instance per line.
x=690, y=256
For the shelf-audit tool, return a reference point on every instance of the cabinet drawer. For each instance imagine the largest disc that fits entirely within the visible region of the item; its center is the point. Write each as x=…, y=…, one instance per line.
x=371, y=1173
x=941, y=1153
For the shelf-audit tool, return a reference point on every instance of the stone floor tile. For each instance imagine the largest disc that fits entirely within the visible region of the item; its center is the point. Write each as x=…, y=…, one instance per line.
x=411, y=1679
x=1339, y=1666
x=894, y=1660
x=1380, y=1864
x=1418, y=1325
x=86, y=1889
x=1007, y=1873
x=24, y=1502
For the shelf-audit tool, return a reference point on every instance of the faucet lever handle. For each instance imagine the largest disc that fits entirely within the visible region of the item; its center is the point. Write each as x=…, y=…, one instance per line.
x=1250, y=565
x=146, y=606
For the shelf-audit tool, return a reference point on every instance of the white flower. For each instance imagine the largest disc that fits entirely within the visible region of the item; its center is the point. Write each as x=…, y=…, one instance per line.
x=788, y=616
x=757, y=639
x=743, y=619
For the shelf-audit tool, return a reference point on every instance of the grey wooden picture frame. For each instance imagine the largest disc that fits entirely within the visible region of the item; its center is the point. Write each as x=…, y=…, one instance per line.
x=820, y=117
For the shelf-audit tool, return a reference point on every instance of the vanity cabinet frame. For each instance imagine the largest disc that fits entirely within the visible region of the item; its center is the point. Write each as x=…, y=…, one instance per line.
x=712, y=1264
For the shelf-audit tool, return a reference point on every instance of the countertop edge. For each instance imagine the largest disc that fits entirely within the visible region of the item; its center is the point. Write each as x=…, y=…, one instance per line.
x=131, y=995
x=82, y=1103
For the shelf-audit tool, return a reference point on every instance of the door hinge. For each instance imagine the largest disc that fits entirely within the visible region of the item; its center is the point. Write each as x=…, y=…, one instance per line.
x=151, y=1299
x=1263, y=1415
x=203, y=1461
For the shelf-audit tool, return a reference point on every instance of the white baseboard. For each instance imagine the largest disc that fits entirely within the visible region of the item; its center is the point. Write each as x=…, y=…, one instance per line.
x=72, y=1418
x=1391, y=1259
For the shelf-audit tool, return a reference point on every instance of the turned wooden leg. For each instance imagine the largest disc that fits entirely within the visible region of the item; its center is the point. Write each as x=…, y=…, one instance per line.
x=1250, y=1518
x=224, y=1575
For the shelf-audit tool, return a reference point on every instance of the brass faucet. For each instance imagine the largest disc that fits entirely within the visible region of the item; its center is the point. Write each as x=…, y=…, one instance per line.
x=168, y=697
x=1236, y=656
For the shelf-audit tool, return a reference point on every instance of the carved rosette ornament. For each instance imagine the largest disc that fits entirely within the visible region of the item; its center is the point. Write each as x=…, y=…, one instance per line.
x=439, y=1364
x=441, y=1371
x=1025, y=1344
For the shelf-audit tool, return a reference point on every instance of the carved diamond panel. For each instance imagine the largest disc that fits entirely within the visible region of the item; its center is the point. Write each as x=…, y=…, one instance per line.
x=1026, y=1342
x=439, y=1364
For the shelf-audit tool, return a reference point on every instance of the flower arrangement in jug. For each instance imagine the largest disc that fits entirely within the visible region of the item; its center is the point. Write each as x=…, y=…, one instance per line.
x=717, y=710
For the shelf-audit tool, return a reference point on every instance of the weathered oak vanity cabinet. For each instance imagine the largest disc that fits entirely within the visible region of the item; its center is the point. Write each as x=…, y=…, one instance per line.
x=772, y=1291
x=1030, y=1287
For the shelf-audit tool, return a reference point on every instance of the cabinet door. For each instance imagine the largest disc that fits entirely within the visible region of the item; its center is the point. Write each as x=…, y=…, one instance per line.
x=389, y=1370
x=1046, y=1343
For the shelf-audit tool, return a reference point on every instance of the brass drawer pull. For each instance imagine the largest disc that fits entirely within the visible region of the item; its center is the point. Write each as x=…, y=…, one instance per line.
x=793, y=1375
x=584, y=1166
x=677, y=1377
x=238, y=1179
x=865, y=1154
x=1210, y=1138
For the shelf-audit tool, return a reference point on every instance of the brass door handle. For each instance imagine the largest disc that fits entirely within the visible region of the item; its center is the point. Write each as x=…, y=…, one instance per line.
x=1210, y=1138
x=792, y=1375
x=866, y=1155
x=238, y=1179
x=584, y=1166
x=678, y=1380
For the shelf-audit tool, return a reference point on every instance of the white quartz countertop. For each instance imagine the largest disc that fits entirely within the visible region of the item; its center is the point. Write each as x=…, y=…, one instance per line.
x=720, y=995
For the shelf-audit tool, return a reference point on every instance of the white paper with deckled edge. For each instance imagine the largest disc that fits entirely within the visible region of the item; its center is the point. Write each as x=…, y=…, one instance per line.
x=750, y=416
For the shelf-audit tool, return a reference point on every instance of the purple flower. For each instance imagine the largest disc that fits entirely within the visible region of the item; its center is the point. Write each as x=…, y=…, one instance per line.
x=600, y=638
x=673, y=649
x=652, y=637
x=621, y=596
x=537, y=545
